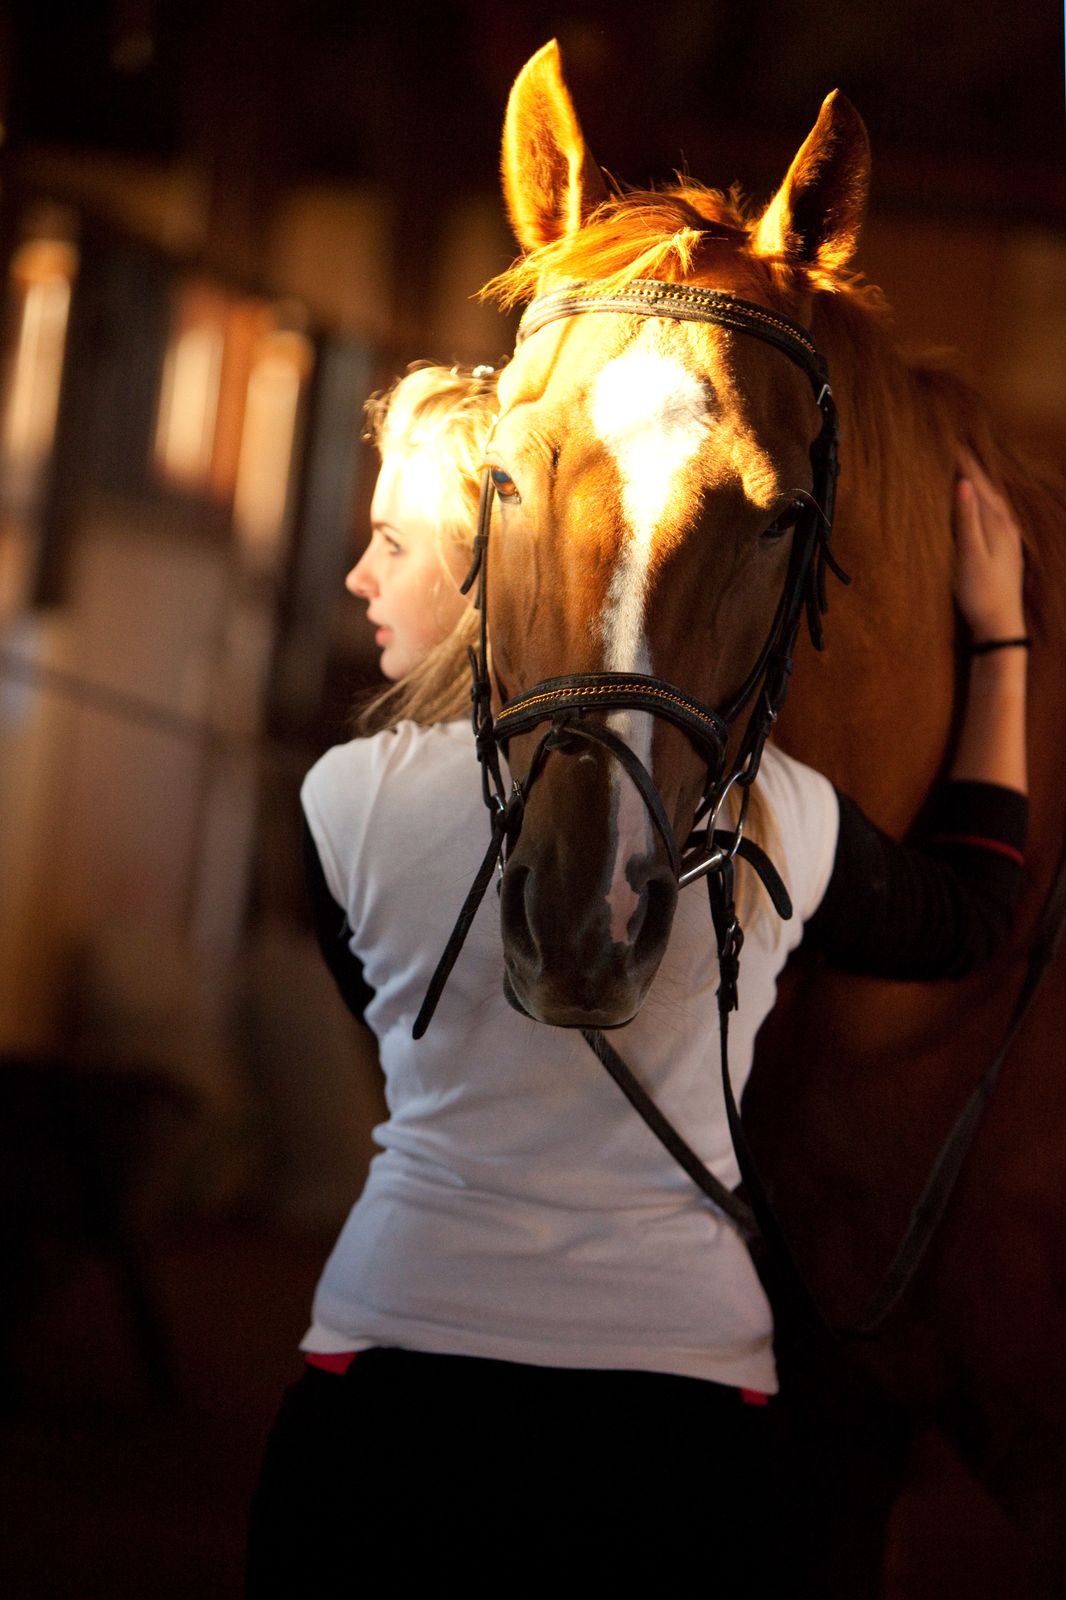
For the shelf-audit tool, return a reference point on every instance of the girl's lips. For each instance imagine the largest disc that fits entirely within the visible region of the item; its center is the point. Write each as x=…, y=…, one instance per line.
x=382, y=636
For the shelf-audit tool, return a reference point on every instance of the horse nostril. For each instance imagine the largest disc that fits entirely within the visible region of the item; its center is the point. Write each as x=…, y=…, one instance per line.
x=658, y=901
x=514, y=916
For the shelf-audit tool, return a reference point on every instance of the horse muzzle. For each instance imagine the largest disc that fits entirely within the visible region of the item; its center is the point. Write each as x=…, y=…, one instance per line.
x=570, y=958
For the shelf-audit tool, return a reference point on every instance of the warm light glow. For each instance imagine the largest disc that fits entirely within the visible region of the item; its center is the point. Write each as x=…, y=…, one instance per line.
x=282, y=363
x=42, y=272
x=188, y=405
x=229, y=408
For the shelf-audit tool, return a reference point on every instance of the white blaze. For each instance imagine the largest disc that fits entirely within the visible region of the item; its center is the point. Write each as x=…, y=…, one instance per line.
x=652, y=415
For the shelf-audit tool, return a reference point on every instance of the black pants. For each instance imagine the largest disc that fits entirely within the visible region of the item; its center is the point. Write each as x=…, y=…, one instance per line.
x=484, y=1477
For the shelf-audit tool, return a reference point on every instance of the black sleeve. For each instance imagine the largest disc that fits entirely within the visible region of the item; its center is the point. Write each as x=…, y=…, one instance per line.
x=935, y=907
x=332, y=930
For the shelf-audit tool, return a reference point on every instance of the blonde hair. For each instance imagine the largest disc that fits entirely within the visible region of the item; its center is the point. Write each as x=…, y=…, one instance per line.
x=445, y=413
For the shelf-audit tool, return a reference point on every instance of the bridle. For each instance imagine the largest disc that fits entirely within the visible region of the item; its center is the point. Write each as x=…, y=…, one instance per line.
x=567, y=702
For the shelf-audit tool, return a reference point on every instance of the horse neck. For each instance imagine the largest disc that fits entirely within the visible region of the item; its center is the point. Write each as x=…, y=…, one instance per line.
x=874, y=710
x=877, y=711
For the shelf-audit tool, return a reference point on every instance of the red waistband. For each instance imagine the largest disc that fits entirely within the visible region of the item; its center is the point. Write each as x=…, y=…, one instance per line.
x=341, y=1360
x=338, y=1362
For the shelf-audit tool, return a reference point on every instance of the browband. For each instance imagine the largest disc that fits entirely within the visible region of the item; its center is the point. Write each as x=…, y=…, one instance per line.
x=607, y=691
x=683, y=302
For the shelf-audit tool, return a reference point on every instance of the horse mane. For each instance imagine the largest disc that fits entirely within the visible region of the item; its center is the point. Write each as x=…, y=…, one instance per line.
x=903, y=413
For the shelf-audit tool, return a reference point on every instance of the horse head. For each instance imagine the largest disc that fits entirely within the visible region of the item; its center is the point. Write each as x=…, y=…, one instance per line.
x=649, y=469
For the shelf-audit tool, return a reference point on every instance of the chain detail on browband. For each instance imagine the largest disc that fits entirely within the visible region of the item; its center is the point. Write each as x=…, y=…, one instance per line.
x=682, y=302
x=606, y=691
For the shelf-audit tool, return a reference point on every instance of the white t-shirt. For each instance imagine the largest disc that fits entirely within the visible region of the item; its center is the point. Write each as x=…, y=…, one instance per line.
x=520, y=1209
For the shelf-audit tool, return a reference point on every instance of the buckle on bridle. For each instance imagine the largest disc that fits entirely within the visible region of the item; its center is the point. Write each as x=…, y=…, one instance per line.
x=720, y=856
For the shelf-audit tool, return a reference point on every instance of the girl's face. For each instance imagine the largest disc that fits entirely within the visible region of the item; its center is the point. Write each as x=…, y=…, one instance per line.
x=404, y=572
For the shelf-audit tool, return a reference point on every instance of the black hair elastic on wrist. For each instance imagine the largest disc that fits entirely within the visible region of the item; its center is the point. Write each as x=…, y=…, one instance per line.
x=1023, y=642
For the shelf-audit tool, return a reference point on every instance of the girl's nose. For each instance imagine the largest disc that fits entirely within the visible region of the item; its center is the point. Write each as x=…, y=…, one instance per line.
x=360, y=581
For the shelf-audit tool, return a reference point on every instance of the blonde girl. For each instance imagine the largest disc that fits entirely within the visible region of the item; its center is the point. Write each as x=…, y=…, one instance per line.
x=538, y=1361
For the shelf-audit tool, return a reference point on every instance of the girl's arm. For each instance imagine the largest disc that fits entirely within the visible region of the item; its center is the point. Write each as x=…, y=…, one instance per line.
x=332, y=931
x=940, y=906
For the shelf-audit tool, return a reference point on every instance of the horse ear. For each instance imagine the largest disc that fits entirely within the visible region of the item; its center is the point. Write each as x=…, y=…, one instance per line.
x=815, y=218
x=550, y=181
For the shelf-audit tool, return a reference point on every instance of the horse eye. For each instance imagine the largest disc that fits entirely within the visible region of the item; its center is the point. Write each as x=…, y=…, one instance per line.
x=784, y=521
x=505, y=486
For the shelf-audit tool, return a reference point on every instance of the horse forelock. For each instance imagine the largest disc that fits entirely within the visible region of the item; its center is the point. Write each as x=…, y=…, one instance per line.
x=665, y=234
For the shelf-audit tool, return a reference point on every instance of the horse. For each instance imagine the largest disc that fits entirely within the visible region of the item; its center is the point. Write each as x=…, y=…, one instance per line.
x=650, y=466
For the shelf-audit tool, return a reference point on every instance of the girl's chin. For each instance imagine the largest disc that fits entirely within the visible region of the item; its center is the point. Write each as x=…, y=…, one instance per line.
x=391, y=664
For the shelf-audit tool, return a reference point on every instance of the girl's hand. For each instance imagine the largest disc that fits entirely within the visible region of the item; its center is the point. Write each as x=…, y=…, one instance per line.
x=988, y=588
x=989, y=566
